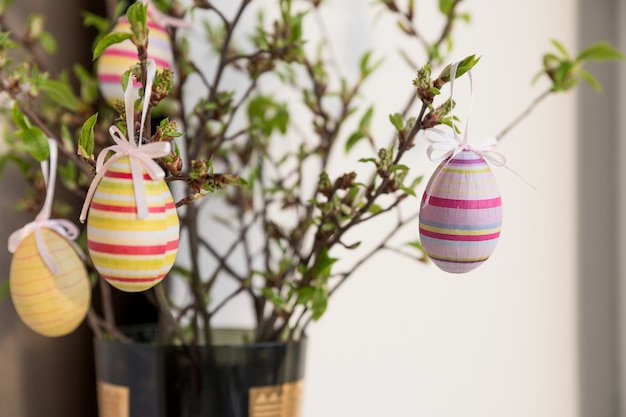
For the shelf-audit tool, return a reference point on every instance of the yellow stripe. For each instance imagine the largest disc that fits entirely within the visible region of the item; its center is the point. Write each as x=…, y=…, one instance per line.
x=461, y=232
x=156, y=224
x=144, y=266
x=479, y=191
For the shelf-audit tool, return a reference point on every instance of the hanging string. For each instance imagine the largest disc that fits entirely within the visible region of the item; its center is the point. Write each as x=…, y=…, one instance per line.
x=63, y=227
x=141, y=155
x=443, y=151
x=164, y=19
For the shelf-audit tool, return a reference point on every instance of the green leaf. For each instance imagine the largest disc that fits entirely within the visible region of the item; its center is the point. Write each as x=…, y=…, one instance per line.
x=48, y=43
x=397, y=121
x=319, y=303
x=137, y=15
x=591, y=80
x=375, y=209
x=558, y=45
x=445, y=6
x=353, y=140
x=465, y=65
x=108, y=40
x=4, y=5
x=60, y=93
x=36, y=142
x=399, y=167
x=323, y=265
x=601, y=51
x=418, y=245
x=366, y=120
x=19, y=118
x=365, y=67
x=86, y=140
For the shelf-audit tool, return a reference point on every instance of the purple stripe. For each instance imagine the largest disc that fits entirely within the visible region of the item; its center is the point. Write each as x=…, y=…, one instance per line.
x=467, y=161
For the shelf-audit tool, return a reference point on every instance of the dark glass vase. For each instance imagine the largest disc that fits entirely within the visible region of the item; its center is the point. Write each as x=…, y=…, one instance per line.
x=224, y=380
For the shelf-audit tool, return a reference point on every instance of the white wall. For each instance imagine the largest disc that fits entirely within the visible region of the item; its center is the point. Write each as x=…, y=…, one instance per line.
x=406, y=340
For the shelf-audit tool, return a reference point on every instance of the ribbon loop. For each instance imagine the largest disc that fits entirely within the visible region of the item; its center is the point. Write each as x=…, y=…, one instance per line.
x=141, y=156
x=63, y=227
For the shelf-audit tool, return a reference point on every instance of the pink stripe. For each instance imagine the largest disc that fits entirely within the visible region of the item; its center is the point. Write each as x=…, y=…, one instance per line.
x=115, y=79
x=126, y=250
x=124, y=175
x=463, y=204
x=172, y=245
x=133, y=55
x=123, y=209
x=462, y=238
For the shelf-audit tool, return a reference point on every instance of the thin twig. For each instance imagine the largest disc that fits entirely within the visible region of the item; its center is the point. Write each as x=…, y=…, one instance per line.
x=524, y=114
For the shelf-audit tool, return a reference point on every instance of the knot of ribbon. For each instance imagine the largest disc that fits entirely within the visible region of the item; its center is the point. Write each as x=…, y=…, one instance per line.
x=441, y=150
x=63, y=227
x=141, y=156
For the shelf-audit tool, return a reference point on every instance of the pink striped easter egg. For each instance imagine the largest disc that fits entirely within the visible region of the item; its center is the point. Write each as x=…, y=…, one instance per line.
x=132, y=254
x=118, y=58
x=52, y=304
x=461, y=213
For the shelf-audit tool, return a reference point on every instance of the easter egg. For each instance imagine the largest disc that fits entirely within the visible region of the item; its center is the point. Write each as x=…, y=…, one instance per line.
x=173, y=232
x=52, y=304
x=461, y=213
x=118, y=58
x=132, y=254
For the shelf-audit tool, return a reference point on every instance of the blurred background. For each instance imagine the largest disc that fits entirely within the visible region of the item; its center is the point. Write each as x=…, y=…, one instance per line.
x=535, y=331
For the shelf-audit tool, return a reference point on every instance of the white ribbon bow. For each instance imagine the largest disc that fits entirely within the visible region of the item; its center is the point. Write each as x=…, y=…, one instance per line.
x=63, y=227
x=141, y=156
x=439, y=151
x=445, y=150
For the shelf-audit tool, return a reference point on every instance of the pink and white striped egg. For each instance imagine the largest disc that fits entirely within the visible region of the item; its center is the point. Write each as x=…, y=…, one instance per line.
x=118, y=58
x=461, y=213
x=130, y=253
x=52, y=304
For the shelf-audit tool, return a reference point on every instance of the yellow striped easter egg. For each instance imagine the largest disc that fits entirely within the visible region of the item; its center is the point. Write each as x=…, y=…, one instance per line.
x=129, y=252
x=50, y=304
x=118, y=58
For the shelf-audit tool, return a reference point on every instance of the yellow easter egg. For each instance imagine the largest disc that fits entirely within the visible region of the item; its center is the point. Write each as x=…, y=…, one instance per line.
x=132, y=254
x=50, y=304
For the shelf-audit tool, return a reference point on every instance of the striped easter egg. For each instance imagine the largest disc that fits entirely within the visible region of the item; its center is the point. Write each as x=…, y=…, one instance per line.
x=461, y=213
x=118, y=58
x=173, y=231
x=132, y=254
x=52, y=304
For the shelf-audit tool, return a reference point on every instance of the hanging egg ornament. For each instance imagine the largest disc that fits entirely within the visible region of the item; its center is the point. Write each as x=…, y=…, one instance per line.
x=52, y=304
x=461, y=213
x=131, y=253
x=118, y=58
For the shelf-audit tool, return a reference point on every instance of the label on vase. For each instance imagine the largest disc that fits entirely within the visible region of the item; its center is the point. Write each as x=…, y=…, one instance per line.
x=113, y=400
x=276, y=400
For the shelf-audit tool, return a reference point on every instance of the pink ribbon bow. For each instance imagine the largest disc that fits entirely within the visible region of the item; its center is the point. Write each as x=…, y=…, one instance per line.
x=63, y=227
x=141, y=156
